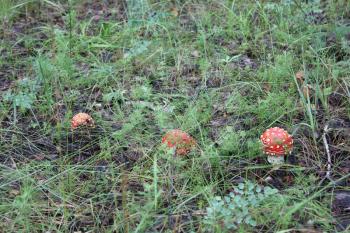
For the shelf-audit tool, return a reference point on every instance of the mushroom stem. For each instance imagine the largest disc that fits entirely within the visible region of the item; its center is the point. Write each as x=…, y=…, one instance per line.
x=275, y=160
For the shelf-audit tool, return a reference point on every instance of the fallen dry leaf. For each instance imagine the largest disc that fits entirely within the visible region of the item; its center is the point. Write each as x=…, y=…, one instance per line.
x=195, y=54
x=300, y=76
x=174, y=11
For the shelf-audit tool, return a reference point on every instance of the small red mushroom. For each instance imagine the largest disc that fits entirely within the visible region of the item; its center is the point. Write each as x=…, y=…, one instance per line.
x=276, y=144
x=81, y=119
x=180, y=140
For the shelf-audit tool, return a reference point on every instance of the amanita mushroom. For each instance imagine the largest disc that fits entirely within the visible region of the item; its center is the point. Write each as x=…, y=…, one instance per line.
x=180, y=140
x=276, y=144
x=81, y=119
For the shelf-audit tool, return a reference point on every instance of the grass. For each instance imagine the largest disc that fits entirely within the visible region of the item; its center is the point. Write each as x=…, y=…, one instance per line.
x=223, y=71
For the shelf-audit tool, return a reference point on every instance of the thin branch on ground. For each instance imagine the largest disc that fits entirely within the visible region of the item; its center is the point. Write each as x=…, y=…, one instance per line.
x=329, y=159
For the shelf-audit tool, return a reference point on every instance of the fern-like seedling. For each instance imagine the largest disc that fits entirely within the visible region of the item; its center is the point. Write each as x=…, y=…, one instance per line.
x=229, y=212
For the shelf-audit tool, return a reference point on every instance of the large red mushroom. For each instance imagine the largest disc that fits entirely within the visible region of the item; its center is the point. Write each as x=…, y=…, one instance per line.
x=181, y=141
x=276, y=144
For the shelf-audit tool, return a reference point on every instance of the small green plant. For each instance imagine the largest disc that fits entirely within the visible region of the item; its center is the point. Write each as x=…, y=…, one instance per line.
x=235, y=209
x=24, y=98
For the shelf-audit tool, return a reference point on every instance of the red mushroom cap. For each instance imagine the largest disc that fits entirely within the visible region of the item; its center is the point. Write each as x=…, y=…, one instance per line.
x=276, y=141
x=81, y=119
x=179, y=140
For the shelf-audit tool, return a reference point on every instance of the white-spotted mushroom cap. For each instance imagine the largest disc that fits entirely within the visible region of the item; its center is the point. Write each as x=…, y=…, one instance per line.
x=81, y=119
x=276, y=142
x=180, y=140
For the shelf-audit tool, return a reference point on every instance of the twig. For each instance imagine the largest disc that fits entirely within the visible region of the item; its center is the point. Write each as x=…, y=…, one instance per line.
x=194, y=213
x=329, y=161
x=14, y=165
